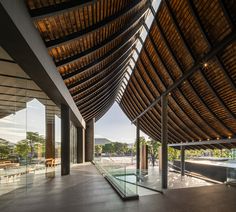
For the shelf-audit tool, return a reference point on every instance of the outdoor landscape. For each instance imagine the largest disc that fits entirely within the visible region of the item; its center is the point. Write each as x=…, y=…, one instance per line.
x=114, y=149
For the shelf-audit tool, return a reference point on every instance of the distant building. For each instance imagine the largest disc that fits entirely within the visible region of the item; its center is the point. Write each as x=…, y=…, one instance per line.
x=102, y=141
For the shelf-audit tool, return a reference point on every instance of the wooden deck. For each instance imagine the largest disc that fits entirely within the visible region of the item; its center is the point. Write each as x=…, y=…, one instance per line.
x=85, y=190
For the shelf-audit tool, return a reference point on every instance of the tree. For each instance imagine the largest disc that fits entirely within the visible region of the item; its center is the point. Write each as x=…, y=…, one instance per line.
x=195, y=153
x=34, y=138
x=221, y=153
x=142, y=140
x=30, y=144
x=130, y=150
x=22, y=148
x=173, y=154
x=5, y=149
x=108, y=148
x=153, y=149
x=118, y=148
x=98, y=150
x=125, y=148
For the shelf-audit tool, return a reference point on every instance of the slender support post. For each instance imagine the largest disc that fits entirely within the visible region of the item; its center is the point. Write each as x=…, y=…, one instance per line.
x=182, y=160
x=146, y=157
x=164, y=141
x=50, y=139
x=137, y=145
x=89, y=141
x=65, y=140
x=80, y=145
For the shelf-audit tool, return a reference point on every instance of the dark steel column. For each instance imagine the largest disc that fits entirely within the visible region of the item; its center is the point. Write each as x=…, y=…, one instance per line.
x=182, y=160
x=80, y=145
x=89, y=141
x=164, y=141
x=137, y=145
x=65, y=140
x=147, y=157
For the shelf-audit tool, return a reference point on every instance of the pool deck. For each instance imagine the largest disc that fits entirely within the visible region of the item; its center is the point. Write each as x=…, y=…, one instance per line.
x=85, y=190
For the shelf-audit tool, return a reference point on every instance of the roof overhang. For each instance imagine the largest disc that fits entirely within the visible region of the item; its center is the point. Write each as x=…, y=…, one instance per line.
x=23, y=43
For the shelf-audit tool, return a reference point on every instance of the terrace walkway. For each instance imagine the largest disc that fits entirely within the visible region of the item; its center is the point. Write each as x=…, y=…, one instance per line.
x=85, y=190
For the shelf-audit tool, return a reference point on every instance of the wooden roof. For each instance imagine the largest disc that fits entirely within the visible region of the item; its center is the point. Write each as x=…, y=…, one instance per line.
x=196, y=37
x=90, y=43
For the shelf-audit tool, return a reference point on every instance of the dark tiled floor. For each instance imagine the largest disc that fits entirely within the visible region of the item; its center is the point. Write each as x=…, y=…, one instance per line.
x=85, y=190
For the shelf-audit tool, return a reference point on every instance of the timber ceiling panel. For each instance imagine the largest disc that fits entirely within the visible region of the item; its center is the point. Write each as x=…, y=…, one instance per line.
x=90, y=43
x=187, y=35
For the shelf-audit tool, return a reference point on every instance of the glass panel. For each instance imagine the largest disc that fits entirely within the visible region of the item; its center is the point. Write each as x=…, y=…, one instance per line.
x=231, y=175
x=231, y=168
x=12, y=126
x=117, y=175
x=73, y=143
x=57, y=138
x=29, y=131
x=35, y=138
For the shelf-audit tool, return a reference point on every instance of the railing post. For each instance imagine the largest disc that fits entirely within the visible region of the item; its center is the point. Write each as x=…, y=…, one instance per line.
x=182, y=160
x=137, y=145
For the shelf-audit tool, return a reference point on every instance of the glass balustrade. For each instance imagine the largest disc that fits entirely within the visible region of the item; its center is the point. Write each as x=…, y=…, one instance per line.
x=117, y=175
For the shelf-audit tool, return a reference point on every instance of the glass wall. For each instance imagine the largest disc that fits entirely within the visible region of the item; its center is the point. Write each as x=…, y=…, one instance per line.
x=30, y=131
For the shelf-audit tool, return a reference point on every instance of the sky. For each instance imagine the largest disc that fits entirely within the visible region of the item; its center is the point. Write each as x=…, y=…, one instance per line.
x=115, y=126
x=13, y=128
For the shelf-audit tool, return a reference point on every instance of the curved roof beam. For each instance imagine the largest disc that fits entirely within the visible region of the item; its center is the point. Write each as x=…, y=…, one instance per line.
x=92, y=112
x=96, y=73
x=120, y=61
x=91, y=105
x=200, y=25
x=103, y=93
x=103, y=89
x=160, y=78
x=101, y=114
x=136, y=27
x=105, y=22
x=96, y=62
x=157, y=112
x=45, y=12
x=153, y=120
x=105, y=82
x=176, y=25
x=197, y=127
x=196, y=67
x=192, y=134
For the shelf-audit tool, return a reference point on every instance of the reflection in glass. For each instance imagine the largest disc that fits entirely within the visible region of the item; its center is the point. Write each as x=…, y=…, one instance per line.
x=73, y=143
x=29, y=130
